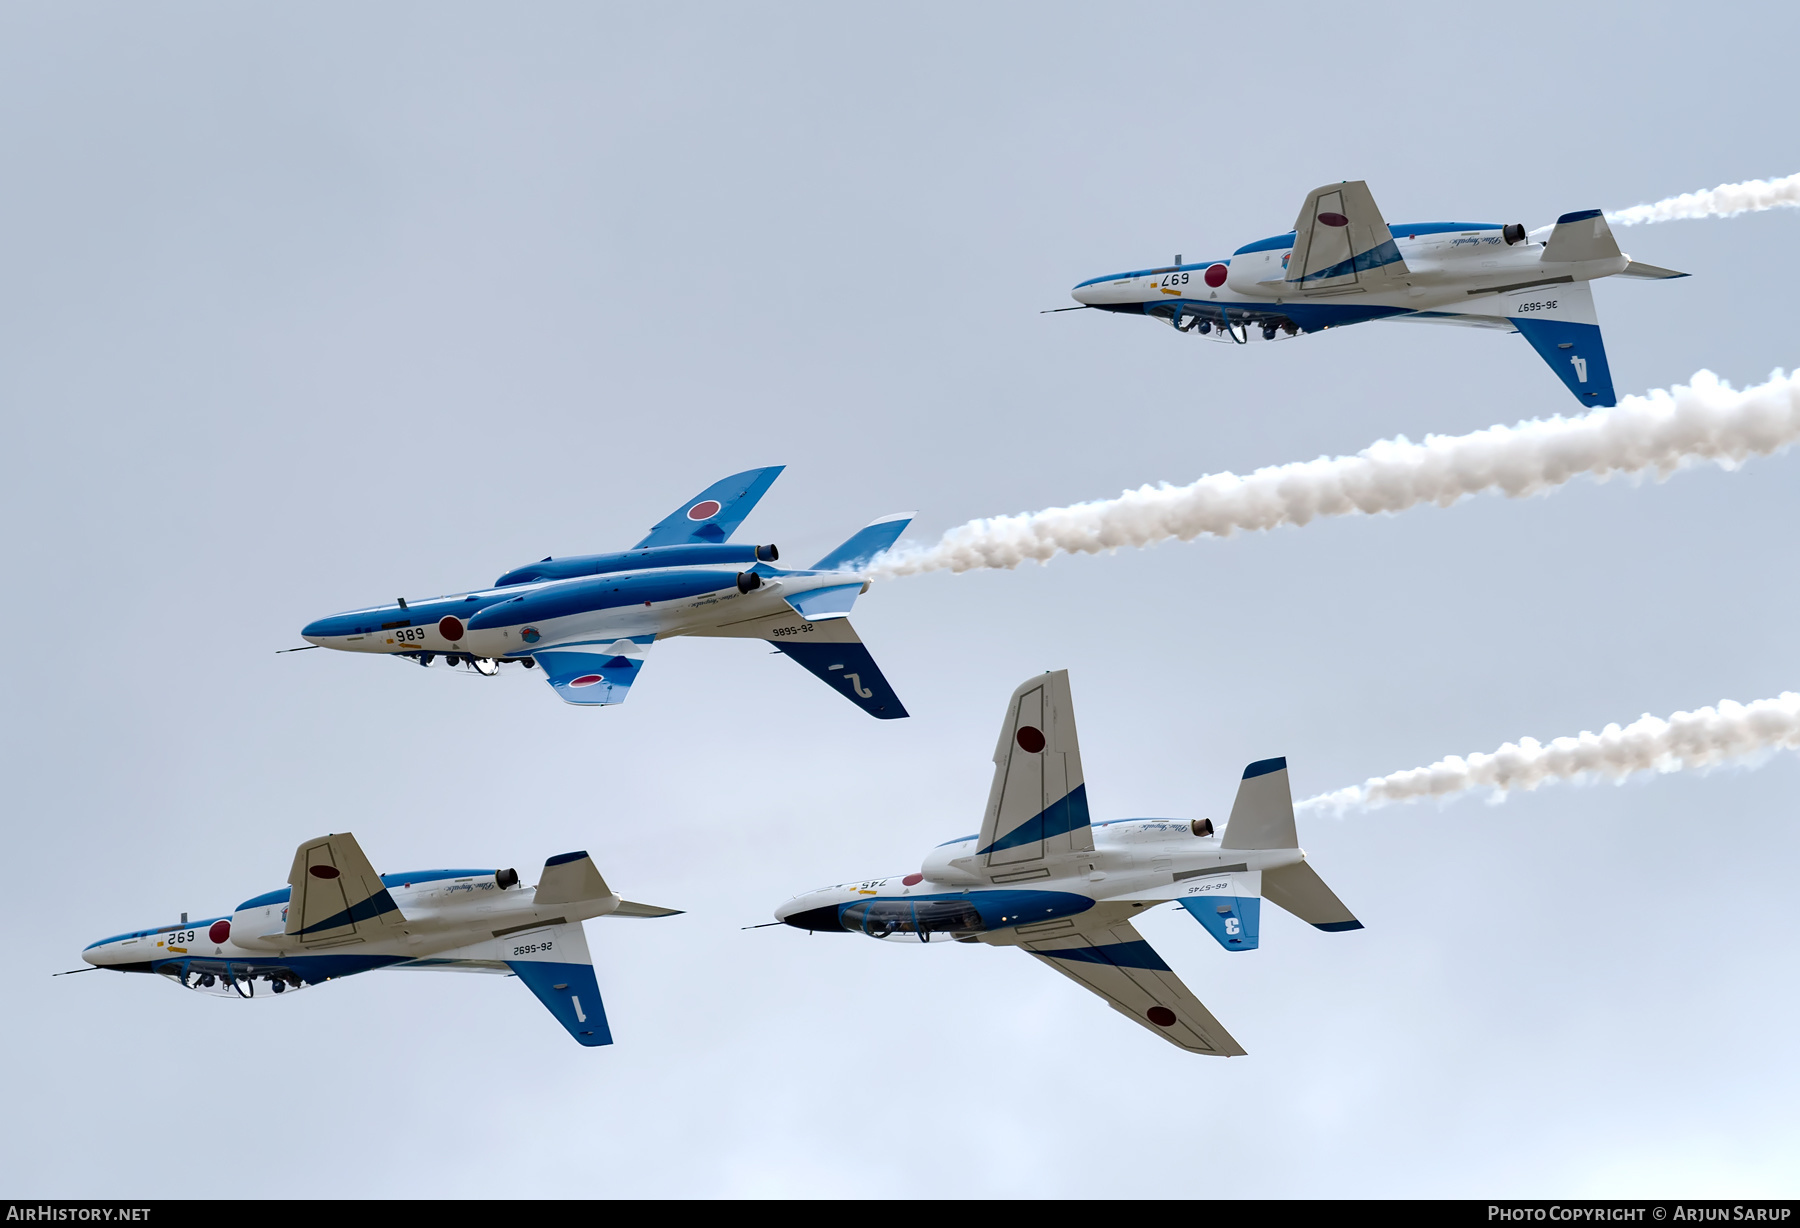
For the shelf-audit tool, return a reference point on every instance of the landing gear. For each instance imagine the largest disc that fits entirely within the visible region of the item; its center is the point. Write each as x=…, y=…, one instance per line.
x=1269, y=329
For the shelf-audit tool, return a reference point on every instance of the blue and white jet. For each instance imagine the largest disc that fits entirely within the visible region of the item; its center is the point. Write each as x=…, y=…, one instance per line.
x=337, y=917
x=1343, y=264
x=589, y=620
x=1042, y=877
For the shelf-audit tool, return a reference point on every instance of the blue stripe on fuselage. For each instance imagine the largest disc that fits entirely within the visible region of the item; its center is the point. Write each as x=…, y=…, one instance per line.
x=1283, y=242
x=609, y=592
x=1000, y=907
x=653, y=558
x=410, y=879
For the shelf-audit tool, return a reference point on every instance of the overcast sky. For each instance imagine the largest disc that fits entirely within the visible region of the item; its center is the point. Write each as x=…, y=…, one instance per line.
x=304, y=309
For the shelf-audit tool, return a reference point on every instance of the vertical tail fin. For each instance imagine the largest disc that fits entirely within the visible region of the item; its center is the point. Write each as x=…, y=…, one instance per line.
x=555, y=965
x=1263, y=815
x=1229, y=906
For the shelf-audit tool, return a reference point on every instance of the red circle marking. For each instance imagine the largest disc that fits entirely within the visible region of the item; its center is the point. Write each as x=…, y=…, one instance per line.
x=912, y=880
x=322, y=871
x=587, y=680
x=450, y=627
x=706, y=509
x=1161, y=1016
x=1334, y=219
x=1031, y=738
x=1215, y=276
x=220, y=931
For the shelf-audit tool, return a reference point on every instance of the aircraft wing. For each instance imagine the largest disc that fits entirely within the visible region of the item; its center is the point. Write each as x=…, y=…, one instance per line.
x=1114, y=961
x=715, y=513
x=334, y=893
x=1341, y=242
x=1037, y=807
x=594, y=673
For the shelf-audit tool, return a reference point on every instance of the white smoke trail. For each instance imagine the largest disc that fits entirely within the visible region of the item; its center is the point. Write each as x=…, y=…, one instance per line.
x=1732, y=732
x=1726, y=200
x=1704, y=420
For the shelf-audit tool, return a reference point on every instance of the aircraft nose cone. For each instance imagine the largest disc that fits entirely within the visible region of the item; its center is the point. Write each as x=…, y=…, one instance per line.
x=818, y=920
x=1084, y=294
x=92, y=956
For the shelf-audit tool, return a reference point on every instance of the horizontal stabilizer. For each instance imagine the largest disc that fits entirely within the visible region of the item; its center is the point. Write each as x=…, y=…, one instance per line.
x=1299, y=889
x=715, y=513
x=1228, y=906
x=865, y=544
x=555, y=965
x=847, y=667
x=1583, y=235
x=1649, y=272
x=1262, y=817
x=595, y=674
x=631, y=908
x=822, y=603
x=335, y=894
x=569, y=878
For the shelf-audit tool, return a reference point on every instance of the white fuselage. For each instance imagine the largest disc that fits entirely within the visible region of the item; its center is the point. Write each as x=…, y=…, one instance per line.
x=713, y=612
x=1445, y=270
x=1150, y=859
x=464, y=919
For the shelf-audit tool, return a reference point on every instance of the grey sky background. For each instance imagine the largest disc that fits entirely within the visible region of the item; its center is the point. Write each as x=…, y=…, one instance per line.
x=306, y=309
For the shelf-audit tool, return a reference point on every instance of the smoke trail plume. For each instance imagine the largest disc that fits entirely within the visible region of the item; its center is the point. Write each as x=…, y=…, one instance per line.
x=1731, y=732
x=1726, y=200
x=1705, y=420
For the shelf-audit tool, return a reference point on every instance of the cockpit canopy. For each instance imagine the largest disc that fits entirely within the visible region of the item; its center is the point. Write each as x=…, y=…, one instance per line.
x=885, y=918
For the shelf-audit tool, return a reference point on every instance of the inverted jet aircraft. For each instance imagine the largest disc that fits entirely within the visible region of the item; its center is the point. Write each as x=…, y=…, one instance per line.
x=1041, y=876
x=337, y=917
x=1343, y=264
x=589, y=620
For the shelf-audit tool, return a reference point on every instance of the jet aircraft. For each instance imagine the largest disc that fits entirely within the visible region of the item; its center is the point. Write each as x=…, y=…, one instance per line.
x=1041, y=876
x=1343, y=264
x=589, y=620
x=337, y=917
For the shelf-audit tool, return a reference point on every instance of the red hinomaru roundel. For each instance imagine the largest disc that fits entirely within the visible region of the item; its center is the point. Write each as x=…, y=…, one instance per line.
x=220, y=931
x=1334, y=219
x=450, y=627
x=706, y=509
x=322, y=871
x=1215, y=275
x=1030, y=738
x=586, y=680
